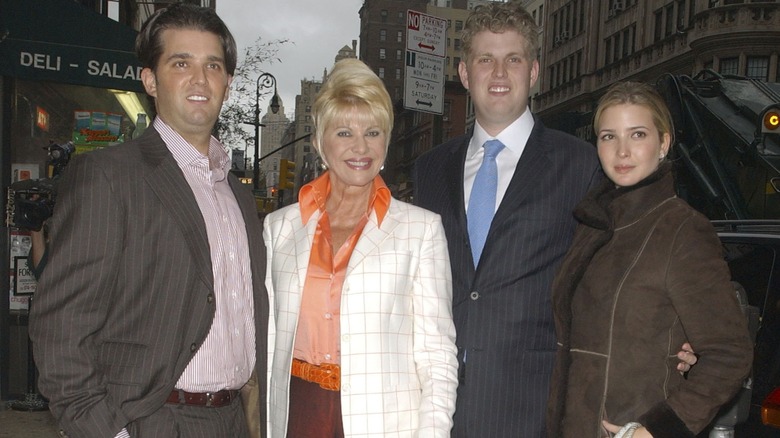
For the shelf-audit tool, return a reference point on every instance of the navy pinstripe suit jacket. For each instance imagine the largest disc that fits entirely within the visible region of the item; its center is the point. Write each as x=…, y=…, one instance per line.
x=127, y=295
x=502, y=309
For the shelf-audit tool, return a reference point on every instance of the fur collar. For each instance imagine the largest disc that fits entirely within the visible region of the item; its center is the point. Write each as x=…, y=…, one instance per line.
x=607, y=207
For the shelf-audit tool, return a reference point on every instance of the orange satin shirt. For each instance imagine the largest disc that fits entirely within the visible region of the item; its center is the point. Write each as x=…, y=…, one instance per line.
x=318, y=332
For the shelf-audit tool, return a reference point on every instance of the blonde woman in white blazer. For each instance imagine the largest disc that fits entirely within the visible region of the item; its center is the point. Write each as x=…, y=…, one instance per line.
x=361, y=334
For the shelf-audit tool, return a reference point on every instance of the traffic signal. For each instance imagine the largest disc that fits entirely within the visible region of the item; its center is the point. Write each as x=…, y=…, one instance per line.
x=770, y=120
x=286, y=174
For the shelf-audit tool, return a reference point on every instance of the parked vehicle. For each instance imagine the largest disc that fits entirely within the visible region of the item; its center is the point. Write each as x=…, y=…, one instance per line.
x=727, y=143
x=752, y=250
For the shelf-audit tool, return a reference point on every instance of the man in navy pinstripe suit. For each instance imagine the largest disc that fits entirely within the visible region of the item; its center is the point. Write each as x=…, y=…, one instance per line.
x=502, y=310
x=501, y=305
x=152, y=313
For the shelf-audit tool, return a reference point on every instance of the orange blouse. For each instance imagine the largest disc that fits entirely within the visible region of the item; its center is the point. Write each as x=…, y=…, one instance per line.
x=318, y=331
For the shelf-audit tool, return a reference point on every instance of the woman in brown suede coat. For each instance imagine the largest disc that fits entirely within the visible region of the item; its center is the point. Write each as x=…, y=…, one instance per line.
x=645, y=273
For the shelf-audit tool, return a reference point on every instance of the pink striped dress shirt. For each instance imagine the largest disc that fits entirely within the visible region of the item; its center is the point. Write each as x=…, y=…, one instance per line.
x=227, y=356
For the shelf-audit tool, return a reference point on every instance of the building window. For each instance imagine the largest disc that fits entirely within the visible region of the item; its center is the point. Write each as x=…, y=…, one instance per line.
x=579, y=62
x=758, y=68
x=458, y=25
x=401, y=18
x=400, y=36
x=729, y=66
x=382, y=54
x=681, y=23
x=658, y=17
x=627, y=49
x=669, y=20
x=456, y=61
x=307, y=128
x=381, y=72
x=457, y=44
x=398, y=55
x=383, y=15
x=383, y=35
x=398, y=73
x=308, y=108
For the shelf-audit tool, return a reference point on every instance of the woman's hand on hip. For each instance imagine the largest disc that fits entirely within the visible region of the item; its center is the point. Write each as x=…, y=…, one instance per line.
x=640, y=432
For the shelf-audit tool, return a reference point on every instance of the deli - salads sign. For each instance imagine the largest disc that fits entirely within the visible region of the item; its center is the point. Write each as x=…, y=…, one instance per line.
x=62, y=41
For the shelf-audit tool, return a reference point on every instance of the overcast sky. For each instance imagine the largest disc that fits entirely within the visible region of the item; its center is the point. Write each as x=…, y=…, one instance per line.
x=317, y=30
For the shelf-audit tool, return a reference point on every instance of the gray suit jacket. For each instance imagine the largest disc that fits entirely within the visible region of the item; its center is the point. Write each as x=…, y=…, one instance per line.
x=502, y=309
x=127, y=296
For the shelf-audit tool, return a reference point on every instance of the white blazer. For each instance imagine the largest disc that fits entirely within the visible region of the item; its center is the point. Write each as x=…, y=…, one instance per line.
x=399, y=371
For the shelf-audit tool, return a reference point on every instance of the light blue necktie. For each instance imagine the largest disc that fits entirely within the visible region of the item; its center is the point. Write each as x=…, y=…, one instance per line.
x=482, y=202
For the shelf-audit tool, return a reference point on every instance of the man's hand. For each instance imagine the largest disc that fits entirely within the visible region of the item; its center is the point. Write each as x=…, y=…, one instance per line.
x=639, y=433
x=687, y=358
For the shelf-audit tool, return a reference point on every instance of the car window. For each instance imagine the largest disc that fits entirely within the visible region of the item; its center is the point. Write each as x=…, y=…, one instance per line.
x=755, y=266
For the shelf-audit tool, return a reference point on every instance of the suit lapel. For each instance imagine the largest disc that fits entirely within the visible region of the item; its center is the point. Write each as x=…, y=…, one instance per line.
x=453, y=176
x=372, y=237
x=532, y=163
x=304, y=239
x=167, y=181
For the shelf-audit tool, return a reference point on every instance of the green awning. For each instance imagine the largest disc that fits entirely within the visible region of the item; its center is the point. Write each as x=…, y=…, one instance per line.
x=62, y=41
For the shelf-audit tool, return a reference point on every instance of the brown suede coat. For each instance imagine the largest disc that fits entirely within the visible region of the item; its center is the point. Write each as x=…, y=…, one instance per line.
x=644, y=275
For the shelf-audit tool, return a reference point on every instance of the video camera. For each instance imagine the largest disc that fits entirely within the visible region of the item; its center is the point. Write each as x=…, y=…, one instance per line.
x=31, y=201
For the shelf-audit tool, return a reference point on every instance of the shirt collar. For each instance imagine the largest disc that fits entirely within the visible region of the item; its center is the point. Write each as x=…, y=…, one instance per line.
x=185, y=154
x=313, y=195
x=514, y=137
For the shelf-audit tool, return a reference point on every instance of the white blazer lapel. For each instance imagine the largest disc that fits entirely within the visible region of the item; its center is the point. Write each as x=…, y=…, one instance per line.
x=372, y=237
x=304, y=238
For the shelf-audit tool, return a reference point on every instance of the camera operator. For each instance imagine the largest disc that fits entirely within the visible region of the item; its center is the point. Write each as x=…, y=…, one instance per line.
x=31, y=203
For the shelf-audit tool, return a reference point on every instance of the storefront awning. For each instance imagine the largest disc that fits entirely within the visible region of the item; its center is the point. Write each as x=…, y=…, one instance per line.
x=62, y=41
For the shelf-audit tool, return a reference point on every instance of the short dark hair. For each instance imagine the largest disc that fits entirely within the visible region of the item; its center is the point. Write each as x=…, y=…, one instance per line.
x=148, y=44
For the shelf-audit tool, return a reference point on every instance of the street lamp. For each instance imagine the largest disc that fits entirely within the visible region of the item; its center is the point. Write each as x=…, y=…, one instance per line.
x=265, y=80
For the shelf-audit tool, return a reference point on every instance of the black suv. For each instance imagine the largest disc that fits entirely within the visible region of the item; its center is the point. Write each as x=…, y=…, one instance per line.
x=752, y=250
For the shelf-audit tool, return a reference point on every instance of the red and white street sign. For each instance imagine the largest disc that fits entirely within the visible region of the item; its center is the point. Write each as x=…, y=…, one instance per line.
x=425, y=33
x=425, y=51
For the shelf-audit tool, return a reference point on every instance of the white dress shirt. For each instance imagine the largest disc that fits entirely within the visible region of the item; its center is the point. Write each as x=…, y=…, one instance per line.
x=514, y=138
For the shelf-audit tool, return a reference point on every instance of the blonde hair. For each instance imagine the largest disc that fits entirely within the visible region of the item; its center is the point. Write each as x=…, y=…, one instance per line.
x=351, y=85
x=637, y=93
x=499, y=17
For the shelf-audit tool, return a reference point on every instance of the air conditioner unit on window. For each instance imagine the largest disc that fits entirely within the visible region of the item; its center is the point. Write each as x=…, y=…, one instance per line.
x=617, y=6
x=610, y=13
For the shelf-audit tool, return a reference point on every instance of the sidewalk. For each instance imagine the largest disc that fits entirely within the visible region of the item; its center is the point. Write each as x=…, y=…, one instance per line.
x=24, y=424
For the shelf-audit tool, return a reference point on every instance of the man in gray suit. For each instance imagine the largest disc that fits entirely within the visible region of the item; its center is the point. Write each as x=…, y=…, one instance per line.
x=152, y=314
